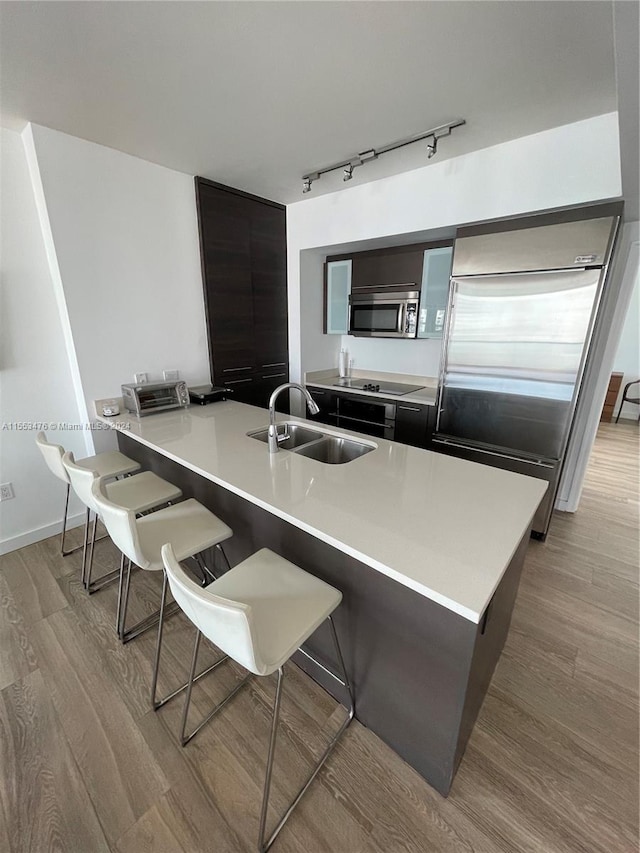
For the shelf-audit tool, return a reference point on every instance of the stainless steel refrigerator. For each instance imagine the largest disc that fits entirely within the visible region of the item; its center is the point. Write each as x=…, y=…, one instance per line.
x=522, y=308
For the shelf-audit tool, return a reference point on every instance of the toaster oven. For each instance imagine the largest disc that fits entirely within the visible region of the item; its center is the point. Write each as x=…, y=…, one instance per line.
x=144, y=400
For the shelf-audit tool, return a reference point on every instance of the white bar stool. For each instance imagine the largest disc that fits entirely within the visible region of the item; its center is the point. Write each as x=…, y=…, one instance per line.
x=139, y=493
x=191, y=529
x=258, y=613
x=111, y=463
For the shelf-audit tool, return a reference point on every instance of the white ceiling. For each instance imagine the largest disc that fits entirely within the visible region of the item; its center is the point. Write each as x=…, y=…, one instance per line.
x=255, y=94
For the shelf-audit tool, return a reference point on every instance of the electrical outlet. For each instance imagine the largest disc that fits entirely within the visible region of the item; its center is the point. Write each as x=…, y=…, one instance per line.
x=171, y=375
x=6, y=491
x=141, y=378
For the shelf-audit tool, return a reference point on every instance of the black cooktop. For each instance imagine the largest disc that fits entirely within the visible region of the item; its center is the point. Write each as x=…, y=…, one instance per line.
x=377, y=386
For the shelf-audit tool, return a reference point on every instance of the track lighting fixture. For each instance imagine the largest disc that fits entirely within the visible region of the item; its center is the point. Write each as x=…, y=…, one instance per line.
x=307, y=180
x=348, y=166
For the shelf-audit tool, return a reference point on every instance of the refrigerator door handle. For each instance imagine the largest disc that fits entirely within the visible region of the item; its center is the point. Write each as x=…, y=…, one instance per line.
x=539, y=462
x=550, y=270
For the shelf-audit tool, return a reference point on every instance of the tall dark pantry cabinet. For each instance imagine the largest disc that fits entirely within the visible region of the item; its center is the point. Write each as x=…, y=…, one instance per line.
x=243, y=246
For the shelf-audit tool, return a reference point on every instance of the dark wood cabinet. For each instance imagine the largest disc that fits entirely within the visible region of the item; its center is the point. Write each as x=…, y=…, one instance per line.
x=414, y=424
x=612, y=395
x=396, y=266
x=326, y=401
x=269, y=287
x=243, y=249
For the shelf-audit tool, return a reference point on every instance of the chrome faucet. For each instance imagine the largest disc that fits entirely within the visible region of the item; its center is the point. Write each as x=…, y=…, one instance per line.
x=273, y=436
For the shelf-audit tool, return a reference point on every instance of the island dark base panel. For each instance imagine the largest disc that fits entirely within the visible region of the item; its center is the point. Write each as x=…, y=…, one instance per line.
x=419, y=670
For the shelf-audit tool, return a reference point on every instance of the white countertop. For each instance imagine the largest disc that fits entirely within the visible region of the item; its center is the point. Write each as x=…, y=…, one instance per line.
x=441, y=526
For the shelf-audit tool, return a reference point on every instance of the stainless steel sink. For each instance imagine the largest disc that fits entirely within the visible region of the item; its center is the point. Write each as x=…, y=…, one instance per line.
x=334, y=451
x=330, y=449
x=298, y=435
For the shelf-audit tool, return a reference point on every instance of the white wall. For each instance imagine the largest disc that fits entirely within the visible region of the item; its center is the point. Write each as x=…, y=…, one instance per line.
x=35, y=377
x=126, y=243
x=101, y=278
x=418, y=358
x=627, y=359
x=555, y=168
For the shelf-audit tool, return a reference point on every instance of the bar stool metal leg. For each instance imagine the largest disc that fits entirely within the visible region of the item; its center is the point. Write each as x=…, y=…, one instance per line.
x=265, y=844
x=64, y=529
x=208, y=576
x=127, y=634
x=89, y=555
x=85, y=544
x=224, y=556
x=64, y=526
x=262, y=846
x=184, y=737
x=120, y=585
x=107, y=577
x=158, y=703
x=122, y=609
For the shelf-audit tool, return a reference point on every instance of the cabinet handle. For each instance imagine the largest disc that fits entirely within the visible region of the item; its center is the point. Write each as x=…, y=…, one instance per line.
x=273, y=375
x=409, y=409
x=317, y=393
x=275, y=364
x=236, y=381
x=386, y=424
x=235, y=369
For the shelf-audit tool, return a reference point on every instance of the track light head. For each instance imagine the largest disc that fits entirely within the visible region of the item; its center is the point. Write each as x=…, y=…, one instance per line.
x=307, y=180
x=432, y=147
x=347, y=172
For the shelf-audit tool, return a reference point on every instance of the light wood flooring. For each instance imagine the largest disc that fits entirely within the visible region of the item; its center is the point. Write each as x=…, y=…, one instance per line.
x=551, y=767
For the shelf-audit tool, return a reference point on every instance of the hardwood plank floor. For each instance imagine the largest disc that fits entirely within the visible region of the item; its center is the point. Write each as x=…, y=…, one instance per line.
x=551, y=767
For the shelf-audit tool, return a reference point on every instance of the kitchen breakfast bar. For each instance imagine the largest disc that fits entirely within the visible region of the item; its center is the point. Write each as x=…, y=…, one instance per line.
x=427, y=550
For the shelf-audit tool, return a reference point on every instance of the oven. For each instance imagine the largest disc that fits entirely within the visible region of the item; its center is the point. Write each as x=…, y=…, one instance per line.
x=384, y=312
x=372, y=417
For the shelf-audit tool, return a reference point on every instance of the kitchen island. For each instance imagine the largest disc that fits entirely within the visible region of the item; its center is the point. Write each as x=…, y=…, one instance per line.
x=426, y=549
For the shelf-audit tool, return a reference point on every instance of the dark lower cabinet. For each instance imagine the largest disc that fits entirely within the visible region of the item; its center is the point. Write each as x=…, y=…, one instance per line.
x=414, y=424
x=243, y=389
x=256, y=389
x=243, y=247
x=326, y=401
x=266, y=384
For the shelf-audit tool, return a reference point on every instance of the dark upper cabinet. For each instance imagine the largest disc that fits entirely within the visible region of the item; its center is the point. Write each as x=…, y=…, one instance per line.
x=225, y=234
x=269, y=276
x=243, y=249
x=387, y=267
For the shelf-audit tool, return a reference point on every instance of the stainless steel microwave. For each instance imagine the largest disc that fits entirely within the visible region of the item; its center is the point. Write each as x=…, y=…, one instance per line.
x=384, y=312
x=143, y=400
